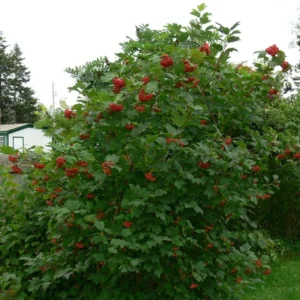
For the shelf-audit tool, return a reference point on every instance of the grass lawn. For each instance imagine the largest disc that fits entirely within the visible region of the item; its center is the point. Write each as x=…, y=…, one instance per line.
x=282, y=284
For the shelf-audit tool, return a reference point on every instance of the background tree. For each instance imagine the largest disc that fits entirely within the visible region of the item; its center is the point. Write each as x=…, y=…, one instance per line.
x=17, y=101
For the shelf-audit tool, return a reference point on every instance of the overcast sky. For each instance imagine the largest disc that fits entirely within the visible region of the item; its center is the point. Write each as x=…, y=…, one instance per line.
x=57, y=34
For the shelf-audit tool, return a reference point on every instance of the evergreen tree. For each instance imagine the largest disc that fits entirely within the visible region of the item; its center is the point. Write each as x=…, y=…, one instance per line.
x=5, y=67
x=17, y=101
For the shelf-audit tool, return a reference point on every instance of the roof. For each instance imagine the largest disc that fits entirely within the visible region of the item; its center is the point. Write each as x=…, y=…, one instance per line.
x=8, y=128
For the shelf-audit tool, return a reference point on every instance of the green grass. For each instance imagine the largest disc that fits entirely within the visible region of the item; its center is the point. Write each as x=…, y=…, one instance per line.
x=282, y=284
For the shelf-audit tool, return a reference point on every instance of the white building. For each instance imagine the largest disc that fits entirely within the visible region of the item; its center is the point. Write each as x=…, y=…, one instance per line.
x=20, y=136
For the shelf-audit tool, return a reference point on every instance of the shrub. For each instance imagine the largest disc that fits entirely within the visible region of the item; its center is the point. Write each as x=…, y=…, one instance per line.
x=153, y=176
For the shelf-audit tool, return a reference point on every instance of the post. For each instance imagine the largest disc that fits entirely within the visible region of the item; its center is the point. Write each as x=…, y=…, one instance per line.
x=53, y=100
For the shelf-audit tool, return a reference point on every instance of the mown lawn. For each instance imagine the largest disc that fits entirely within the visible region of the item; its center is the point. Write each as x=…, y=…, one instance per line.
x=282, y=284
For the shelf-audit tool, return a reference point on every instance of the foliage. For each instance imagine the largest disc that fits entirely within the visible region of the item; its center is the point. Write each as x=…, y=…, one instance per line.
x=150, y=188
x=17, y=101
x=281, y=215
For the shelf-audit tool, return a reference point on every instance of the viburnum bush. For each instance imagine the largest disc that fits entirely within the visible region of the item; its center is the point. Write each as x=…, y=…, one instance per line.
x=149, y=190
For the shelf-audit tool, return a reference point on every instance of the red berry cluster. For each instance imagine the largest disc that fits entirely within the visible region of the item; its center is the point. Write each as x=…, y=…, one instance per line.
x=58, y=190
x=60, y=161
x=13, y=158
x=127, y=224
x=193, y=286
x=208, y=228
x=228, y=141
x=179, y=84
x=140, y=108
x=266, y=196
x=171, y=140
x=100, y=215
x=205, y=48
x=71, y=172
x=90, y=196
x=204, y=165
x=79, y=245
x=114, y=107
x=256, y=168
x=285, y=66
x=16, y=169
x=166, y=61
x=39, y=166
x=40, y=190
x=49, y=203
x=69, y=114
x=203, y=122
x=118, y=83
x=106, y=167
x=272, y=50
x=82, y=163
x=84, y=136
x=149, y=176
x=129, y=126
x=296, y=155
x=193, y=80
x=145, y=97
x=188, y=67
x=145, y=80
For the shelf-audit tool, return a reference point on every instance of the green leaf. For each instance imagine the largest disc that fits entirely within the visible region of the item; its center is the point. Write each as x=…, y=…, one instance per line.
x=99, y=225
x=172, y=130
x=134, y=262
x=87, y=156
x=114, y=158
x=73, y=205
x=99, y=257
x=201, y=7
x=90, y=218
x=152, y=87
x=139, y=129
x=162, y=141
x=178, y=119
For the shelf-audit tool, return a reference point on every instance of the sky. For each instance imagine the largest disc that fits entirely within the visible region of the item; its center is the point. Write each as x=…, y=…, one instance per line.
x=57, y=34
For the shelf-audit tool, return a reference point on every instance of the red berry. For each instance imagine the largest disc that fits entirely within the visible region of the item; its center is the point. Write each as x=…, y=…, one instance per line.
x=296, y=155
x=267, y=272
x=166, y=61
x=203, y=165
x=119, y=82
x=228, y=141
x=16, y=169
x=239, y=280
x=256, y=168
x=203, y=122
x=69, y=114
x=272, y=50
x=145, y=97
x=193, y=286
x=145, y=80
x=129, y=126
x=140, y=108
x=127, y=224
x=113, y=107
x=285, y=66
x=39, y=166
x=150, y=176
x=205, y=48
x=60, y=161
x=13, y=158
x=188, y=67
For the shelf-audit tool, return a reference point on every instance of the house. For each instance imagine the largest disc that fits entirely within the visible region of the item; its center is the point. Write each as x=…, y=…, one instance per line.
x=20, y=136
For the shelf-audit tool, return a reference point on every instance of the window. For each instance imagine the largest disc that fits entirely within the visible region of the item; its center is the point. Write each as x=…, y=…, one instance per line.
x=1, y=140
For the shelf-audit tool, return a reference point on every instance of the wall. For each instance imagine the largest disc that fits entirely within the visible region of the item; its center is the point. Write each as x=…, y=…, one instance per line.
x=32, y=137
